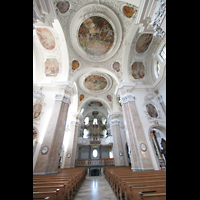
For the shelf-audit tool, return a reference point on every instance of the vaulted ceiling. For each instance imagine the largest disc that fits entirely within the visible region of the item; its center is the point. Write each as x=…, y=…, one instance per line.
x=97, y=44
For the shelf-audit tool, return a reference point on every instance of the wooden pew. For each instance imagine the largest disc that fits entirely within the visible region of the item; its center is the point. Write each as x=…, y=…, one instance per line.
x=51, y=188
x=42, y=195
x=149, y=196
x=125, y=189
x=134, y=191
x=123, y=179
x=68, y=179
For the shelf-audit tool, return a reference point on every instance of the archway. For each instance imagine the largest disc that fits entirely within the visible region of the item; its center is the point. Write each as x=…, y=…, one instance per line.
x=157, y=135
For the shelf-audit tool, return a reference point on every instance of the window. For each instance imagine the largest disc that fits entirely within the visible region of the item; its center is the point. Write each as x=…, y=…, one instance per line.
x=86, y=120
x=85, y=133
x=95, y=153
x=163, y=52
x=103, y=120
x=95, y=121
x=158, y=68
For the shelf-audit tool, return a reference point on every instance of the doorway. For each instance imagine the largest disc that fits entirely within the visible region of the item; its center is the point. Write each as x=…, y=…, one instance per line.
x=94, y=172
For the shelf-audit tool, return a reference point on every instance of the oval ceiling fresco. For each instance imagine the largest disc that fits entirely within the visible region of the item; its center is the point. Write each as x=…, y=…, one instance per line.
x=96, y=36
x=95, y=82
x=46, y=38
x=63, y=7
x=143, y=42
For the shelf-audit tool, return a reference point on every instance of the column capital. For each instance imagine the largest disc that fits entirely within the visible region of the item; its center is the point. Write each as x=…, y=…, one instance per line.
x=127, y=97
x=124, y=88
x=63, y=97
x=114, y=122
x=65, y=92
x=114, y=115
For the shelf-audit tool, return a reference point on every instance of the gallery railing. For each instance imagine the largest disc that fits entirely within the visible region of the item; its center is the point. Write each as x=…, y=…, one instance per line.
x=99, y=162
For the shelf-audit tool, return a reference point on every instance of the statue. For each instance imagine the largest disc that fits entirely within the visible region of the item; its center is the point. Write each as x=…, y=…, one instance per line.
x=163, y=144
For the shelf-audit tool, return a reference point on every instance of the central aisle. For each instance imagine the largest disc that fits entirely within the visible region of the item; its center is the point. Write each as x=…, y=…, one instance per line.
x=95, y=188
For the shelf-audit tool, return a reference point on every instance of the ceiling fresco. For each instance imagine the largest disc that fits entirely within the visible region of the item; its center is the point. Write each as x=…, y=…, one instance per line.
x=63, y=7
x=137, y=70
x=75, y=64
x=96, y=36
x=116, y=66
x=152, y=110
x=95, y=103
x=51, y=67
x=128, y=11
x=95, y=82
x=46, y=38
x=143, y=42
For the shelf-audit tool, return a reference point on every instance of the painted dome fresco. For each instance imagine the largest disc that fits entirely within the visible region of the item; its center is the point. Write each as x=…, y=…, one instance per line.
x=95, y=82
x=96, y=36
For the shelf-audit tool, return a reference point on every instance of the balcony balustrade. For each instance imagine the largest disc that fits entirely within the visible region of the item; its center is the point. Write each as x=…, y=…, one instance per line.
x=92, y=162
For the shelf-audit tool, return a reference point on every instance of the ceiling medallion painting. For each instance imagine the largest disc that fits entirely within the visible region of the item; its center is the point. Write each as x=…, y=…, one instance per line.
x=137, y=70
x=63, y=7
x=51, y=67
x=95, y=82
x=128, y=11
x=143, y=42
x=152, y=110
x=96, y=36
x=46, y=38
x=116, y=66
x=75, y=64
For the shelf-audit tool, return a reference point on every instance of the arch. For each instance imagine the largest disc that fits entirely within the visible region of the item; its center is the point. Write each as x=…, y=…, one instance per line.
x=127, y=49
x=96, y=99
x=93, y=69
x=161, y=128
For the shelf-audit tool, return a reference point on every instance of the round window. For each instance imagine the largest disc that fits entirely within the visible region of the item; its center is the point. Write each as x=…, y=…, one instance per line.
x=95, y=153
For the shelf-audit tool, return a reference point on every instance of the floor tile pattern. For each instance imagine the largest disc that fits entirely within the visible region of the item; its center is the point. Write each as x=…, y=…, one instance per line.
x=95, y=188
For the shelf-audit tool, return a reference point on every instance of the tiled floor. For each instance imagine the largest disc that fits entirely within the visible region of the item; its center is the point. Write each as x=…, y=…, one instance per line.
x=95, y=188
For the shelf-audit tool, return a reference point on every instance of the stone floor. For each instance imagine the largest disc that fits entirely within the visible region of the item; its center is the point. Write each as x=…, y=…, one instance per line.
x=95, y=188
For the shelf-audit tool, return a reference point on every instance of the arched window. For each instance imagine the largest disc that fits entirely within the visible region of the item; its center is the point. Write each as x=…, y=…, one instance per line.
x=163, y=52
x=95, y=153
x=86, y=120
x=85, y=133
x=95, y=121
x=103, y=120
x=158, y=68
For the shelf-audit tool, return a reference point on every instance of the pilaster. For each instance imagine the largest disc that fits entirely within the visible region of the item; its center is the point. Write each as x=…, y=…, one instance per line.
x=117, y=141
x=47, y=162
x=72, y=144
x=140, y=158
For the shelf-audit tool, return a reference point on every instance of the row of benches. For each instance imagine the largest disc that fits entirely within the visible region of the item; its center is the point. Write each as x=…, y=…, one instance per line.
x=61, y=186
x=138, y=185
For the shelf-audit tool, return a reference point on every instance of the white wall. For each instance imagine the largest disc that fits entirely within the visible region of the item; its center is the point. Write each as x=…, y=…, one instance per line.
x=84, y=152
x=104, y=151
